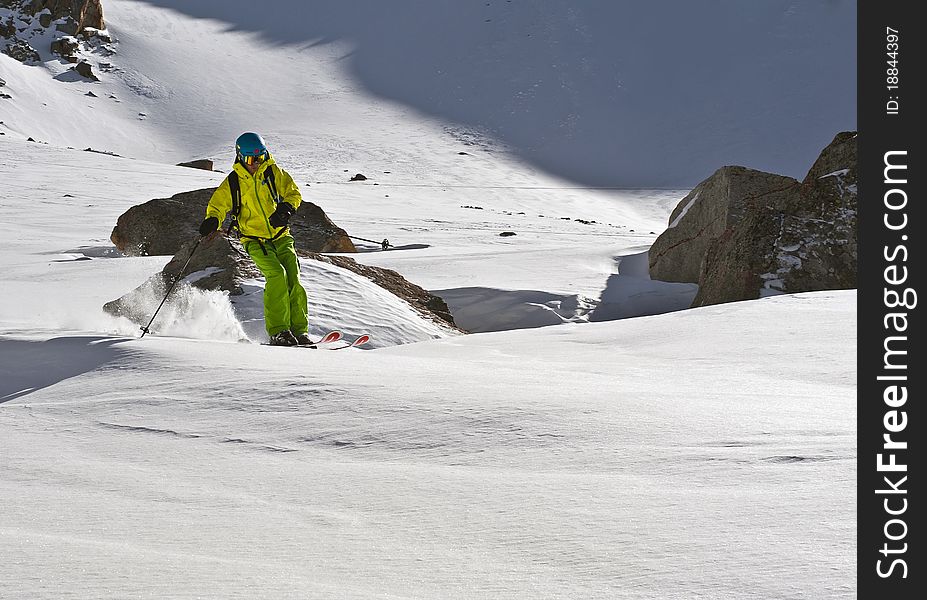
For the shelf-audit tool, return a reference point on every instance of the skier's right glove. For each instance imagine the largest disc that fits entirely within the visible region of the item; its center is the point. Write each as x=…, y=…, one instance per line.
x=209, y=225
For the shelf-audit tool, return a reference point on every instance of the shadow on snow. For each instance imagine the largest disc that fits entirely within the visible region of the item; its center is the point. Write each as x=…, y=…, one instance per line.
x=27, y=366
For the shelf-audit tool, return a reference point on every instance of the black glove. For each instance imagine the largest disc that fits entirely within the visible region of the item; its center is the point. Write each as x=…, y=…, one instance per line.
x=209, y=225
x=281, y=215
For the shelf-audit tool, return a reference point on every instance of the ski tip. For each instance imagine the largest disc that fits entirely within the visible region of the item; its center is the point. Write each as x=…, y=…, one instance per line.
x=332, y=336
x=361, y=340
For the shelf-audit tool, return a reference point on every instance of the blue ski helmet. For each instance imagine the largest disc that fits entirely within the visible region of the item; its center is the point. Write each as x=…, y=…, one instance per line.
x=250, y=147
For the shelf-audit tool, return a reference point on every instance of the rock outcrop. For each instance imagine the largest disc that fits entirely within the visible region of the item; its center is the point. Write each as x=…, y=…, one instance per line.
x=710, y=209
x=162, y=226
x=221, y=264
x=742, y=234
x=76, y=27
x=76, y=15
x=422, y=300
x=202, y=163
x=22, y=51
x=66, y=47
x=85, y=70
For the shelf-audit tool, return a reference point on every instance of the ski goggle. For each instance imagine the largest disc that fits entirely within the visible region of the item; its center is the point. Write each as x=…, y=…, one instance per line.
x=254, y=159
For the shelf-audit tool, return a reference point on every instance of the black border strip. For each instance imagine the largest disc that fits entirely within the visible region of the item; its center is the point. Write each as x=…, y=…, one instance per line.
x=891, y=233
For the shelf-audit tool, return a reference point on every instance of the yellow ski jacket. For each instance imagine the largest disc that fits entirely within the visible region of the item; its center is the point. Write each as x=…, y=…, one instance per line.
x=257, y=200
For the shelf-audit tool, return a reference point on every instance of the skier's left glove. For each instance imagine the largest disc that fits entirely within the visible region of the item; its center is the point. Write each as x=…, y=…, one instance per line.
x=209, y=225
x=281, y=215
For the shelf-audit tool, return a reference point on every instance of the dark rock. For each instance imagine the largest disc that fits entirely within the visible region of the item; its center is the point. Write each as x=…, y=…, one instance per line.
x=68, y=26
x=704, y=214
x=218, y=262
x=742, y=234
x=840, y=154
x=805, y=242
x=315, y=232
x=95, y=35
x=507, y=234
x=358, y=177
x=88, y=13
x=85, y=70
x=65, y=47
x=22, y=51
x=79, y=14
x=100, y=152
x=8, y=28
x=162, y=226
x=203, y=163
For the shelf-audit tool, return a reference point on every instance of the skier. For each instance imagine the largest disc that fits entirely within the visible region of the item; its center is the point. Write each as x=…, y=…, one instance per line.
x=262, y=197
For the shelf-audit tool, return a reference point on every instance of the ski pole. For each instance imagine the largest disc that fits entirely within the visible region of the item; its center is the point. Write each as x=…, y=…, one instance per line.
x=384, y=244
x=171, y=289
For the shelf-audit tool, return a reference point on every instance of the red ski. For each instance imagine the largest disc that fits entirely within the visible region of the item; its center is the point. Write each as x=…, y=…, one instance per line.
x=331, y=336
x=328, y=338
x=358, y=341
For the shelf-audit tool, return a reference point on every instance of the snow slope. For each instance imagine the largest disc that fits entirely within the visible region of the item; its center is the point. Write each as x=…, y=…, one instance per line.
x=707, y=453
x=604, y=93
x=694, y=454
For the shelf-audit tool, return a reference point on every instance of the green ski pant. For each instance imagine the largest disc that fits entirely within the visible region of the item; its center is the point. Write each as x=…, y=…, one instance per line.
x=285, y=304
